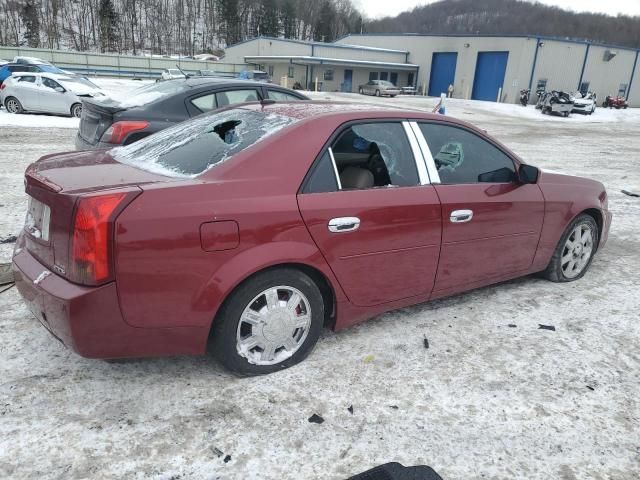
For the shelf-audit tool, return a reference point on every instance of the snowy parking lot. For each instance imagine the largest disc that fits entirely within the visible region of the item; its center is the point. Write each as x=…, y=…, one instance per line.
x=494, y=396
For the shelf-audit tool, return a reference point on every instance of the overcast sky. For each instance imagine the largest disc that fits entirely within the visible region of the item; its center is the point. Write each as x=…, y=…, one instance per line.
x=381, y=8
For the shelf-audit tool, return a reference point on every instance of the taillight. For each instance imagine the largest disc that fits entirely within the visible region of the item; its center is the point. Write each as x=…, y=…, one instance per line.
x=90, y=247
x=118, y=131
x=2, y=85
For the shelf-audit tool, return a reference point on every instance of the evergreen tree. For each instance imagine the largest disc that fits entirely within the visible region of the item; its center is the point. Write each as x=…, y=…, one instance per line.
x=108, y=26
x=288, y=16
x=31, y=19
x=269, y=19
x=324, y=31
x=229, y=16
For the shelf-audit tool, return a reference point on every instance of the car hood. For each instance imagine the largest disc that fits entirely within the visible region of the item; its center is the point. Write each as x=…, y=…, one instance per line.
x=550, y=177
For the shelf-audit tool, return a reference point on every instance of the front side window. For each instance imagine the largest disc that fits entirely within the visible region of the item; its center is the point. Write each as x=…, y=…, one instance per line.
x=328, y=75
x=291, y=71
x=368, y=155
x=463, y=157
x=47, y=82
x=284, y=96
x=622, y=91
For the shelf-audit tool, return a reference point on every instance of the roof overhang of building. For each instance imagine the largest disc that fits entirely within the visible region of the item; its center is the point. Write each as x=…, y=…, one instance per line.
x=309, y=60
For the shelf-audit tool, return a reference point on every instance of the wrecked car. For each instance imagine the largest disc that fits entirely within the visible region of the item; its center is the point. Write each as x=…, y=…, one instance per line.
x=245, y=231
x=47, y=93
x=557, y=102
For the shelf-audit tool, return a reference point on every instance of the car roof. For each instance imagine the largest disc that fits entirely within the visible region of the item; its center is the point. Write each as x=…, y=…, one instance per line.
x=53, y=76
x=212, y=81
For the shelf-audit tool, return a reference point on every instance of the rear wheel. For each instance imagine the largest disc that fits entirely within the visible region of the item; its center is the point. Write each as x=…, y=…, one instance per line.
x=13, y=105
x=361, y=91
x=575, y=250
x=377, y=93
x=270, y=322
x=76, y=110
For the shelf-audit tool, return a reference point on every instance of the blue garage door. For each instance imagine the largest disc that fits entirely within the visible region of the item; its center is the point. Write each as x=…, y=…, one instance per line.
x=490, y=69
x=443, y=72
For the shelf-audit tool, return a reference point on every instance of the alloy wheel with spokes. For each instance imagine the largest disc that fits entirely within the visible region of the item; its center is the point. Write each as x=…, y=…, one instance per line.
x=577, y=251
x=13, y=105
x=273, y=326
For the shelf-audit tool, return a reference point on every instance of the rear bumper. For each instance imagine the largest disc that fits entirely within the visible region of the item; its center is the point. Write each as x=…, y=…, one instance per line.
x=88, y=320
x=82, y=144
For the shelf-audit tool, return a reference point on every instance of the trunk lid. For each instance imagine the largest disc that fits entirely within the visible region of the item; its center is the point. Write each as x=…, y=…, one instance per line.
x=96, y=119
x=55, y=183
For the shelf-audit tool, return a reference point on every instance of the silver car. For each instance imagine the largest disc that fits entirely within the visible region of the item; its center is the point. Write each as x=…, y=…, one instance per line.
x=47, y=93
x=379, y=88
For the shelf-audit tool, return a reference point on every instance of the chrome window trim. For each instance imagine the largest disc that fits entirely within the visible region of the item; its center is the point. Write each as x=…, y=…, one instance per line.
x=418, y=157
x=426, y=153
x=335, y=168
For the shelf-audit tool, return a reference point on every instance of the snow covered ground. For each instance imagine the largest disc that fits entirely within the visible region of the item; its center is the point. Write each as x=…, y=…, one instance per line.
x=493, y=397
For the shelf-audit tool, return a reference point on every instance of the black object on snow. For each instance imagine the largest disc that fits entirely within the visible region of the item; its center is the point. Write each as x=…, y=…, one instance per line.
x=395, y=471
x=512, y=325
x=315, y=418
x=426, y=342
x=227, y=459
x=9, y=239
x=350, y=409
x=631, y=194
x=546, y=327
x=395, y=407
x=590, y=388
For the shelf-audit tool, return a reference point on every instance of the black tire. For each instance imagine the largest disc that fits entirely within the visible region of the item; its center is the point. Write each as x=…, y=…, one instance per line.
x=361, y=91
x=377, y=93
x=223, y=339
x=76, y=110
x=554, y=272
x=13, y=107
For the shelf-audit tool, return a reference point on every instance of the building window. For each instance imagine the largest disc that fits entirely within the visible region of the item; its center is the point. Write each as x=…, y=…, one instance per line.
x=410, y=80
x=384, y=75
x=328, y=75
x=373, y=76
x=622, y=91
x=393, y=78
x=271, y=71
x=542, y=85
x=291, y=71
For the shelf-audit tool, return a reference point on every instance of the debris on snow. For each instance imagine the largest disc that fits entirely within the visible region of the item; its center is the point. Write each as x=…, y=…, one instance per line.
x=315, y=418
x=227, y=459
x=9, y=239
x=631, y=194
x=546, y=327
x=395, y=407
x=368, y=359
x=512, y=325
x=590, y=388
x=350, y=408
x=425, y=341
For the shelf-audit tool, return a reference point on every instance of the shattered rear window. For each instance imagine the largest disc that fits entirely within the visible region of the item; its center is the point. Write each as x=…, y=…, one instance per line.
x=193, y=147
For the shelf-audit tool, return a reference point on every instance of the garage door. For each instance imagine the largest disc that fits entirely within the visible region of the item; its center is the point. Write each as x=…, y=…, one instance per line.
x=489, y=77
x=443, y=72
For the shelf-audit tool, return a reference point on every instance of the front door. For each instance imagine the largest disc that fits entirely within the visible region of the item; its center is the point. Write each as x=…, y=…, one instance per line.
x=53, y=97
x=28, y=92
x=347, y=82
x=372, y=216
x=491, y=222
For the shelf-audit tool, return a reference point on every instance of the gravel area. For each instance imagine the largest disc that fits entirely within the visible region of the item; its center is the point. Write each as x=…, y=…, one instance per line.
x=493, y=397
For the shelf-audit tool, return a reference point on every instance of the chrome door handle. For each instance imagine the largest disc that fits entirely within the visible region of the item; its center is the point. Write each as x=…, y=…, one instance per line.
x=344, y=224
x=461, y=216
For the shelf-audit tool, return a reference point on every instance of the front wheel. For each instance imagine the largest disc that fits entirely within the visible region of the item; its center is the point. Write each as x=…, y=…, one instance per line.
x=575, y=250
x=271, y=322
x=13, y=105
x=76, y=110
x=377, y=93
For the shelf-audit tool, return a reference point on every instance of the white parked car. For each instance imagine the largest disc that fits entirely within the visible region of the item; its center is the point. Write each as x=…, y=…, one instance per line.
x=584, y=103
x=171, y=74
x=46, y=93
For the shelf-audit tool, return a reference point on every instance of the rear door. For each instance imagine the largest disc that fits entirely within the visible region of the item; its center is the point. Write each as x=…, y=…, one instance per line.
x=219, y=98
x=53, y=96
x=369, y=207
x=491, y=222
x=27, y=91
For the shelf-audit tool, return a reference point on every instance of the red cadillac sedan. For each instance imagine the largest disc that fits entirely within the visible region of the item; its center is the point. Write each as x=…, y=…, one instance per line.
x=244, y=231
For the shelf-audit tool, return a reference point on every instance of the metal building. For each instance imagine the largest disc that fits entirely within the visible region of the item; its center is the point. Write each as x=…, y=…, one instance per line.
x=482, y=67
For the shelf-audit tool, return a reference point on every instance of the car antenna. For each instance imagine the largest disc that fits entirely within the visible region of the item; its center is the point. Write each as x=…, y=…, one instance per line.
x=186, y=75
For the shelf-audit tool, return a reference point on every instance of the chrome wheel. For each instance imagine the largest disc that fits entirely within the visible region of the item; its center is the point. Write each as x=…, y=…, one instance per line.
x=12, y=105
x=273, y=326
x=577, y=251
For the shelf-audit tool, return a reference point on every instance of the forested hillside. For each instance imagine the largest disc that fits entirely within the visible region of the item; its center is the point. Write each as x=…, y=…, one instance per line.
x=169, y=26
x=511, y=17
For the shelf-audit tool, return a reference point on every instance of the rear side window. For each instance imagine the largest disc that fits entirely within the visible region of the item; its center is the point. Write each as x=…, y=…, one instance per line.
x=192, y=147
x=27, y=78
x=277, y=95
x=231, y=97
x=463, y=157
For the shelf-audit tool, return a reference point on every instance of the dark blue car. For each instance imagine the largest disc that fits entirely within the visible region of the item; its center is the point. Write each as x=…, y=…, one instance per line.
x=9, y=68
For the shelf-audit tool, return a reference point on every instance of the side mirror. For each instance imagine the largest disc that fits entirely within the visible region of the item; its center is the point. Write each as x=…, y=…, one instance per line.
x=60, y=89
x=528, y=173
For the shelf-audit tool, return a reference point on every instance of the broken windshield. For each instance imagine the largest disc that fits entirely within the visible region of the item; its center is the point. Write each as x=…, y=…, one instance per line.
x=190, y=148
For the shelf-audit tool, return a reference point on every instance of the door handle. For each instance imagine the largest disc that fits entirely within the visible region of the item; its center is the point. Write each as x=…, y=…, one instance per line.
x=461, y=216
x=344, y=224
